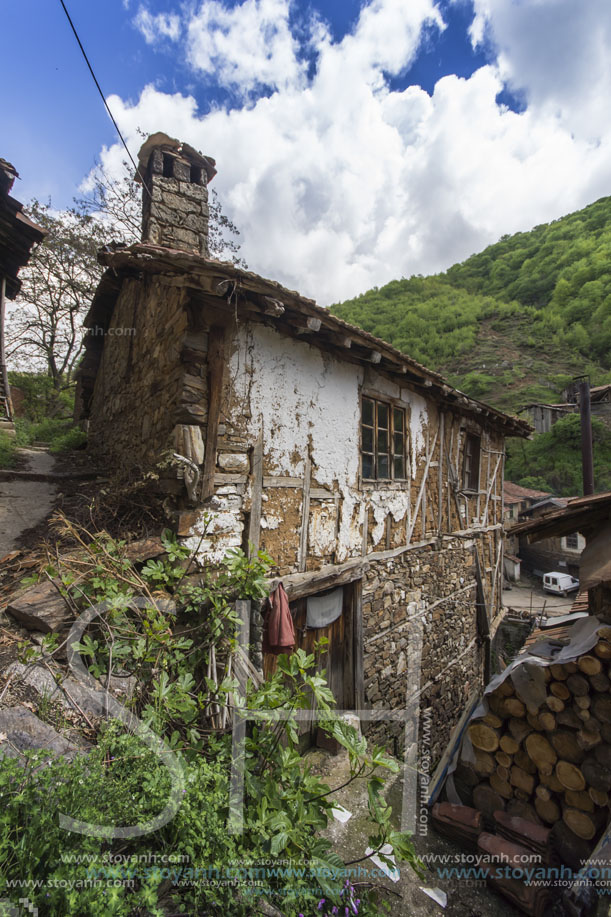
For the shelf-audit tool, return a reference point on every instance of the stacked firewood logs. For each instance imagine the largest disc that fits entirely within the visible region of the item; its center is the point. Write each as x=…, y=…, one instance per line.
x=550, y=764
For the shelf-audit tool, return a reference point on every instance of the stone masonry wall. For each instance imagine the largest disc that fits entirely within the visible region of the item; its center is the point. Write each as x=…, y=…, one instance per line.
x=139, y=381
x=421, y=598
x=175, y=205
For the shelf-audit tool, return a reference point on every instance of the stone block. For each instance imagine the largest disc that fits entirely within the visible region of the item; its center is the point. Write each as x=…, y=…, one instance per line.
x=233, y=461
x=41, y=608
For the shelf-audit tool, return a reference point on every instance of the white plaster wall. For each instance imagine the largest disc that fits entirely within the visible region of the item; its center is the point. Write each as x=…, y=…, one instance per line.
x=301, y=394
x=308, y=400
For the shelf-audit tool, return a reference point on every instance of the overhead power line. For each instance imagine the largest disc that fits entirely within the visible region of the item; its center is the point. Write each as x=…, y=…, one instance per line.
x=99, y=88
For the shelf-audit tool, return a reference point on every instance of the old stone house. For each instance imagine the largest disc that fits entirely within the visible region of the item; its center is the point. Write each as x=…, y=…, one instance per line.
x=515, y=500
x=369, y=480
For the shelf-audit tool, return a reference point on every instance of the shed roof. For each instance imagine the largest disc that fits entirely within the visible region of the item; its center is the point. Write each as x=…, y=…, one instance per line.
x=227, y=286
x=582, y=514
x=18, y=233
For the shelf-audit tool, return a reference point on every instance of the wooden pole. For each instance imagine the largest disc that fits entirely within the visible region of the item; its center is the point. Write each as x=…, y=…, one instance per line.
x=6, y=392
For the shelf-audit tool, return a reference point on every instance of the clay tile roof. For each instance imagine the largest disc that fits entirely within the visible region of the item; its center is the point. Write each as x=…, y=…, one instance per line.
x=515, y=493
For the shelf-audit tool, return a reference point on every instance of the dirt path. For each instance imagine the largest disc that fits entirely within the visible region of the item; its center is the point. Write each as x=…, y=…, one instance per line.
x=23, y=504
x=465, y=898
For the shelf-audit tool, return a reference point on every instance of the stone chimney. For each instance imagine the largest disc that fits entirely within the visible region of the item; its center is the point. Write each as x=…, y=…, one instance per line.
x=175, y=194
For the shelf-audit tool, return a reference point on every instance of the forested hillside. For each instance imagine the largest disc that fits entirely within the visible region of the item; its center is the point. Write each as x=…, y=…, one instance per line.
x=513, y=323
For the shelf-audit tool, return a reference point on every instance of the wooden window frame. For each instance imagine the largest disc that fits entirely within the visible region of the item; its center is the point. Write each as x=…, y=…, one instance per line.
x=471, y=466
x=393, y=410
x=571, y=547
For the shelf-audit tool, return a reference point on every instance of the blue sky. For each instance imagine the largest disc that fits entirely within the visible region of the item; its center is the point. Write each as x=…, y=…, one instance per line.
x=355, y=141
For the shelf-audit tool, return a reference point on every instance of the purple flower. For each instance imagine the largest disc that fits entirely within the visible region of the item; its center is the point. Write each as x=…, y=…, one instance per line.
x=320, y=904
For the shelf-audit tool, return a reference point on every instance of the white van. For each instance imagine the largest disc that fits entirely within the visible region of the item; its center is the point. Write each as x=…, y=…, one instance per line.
x=560, y=583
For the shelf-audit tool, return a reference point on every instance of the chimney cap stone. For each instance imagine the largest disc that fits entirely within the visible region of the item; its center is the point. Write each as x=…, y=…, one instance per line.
x=161, y=141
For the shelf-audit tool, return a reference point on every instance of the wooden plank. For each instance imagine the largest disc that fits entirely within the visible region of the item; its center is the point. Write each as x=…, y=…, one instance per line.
x=305, y=516
x=365, y=526
x=357, y=631
x=483, y=617
x=321, y=493
x=491, y=483
x=254, y=522
x=440, y=473
x=497, y=570
x=422, y=488
x=298, y=585
x=281, y=481
x=222, y=477
x=216, y=363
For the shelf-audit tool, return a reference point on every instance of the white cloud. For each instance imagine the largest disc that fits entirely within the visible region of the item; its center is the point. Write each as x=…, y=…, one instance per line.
x=557, y=51
x=156, y=27
x=247, y=46
x=338, y=183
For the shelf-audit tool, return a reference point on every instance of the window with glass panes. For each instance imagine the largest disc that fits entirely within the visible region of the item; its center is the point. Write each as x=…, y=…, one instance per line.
x=383, y=440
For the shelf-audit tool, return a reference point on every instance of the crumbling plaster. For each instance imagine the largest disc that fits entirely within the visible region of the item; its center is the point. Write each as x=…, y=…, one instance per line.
x=309, y=401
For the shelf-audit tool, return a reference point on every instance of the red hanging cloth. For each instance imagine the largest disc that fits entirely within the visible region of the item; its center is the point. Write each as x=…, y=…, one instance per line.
x=278, y=630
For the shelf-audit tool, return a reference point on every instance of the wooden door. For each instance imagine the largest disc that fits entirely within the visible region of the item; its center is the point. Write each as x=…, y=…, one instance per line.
x=337, y=659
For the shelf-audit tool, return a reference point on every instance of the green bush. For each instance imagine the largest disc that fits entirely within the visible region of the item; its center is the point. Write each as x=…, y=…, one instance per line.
x=217, y=854
x=553, y=460
x=65, y=442
x=8, y=451
x=41, y=399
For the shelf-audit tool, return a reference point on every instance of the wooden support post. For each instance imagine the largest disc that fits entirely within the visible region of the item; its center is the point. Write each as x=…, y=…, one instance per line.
x=254, y=523
x=5, y=391
x=216, y=364
x=357, y=630
x=365, y=526
x=491, y=485
x=440, y=473
x=305, y=516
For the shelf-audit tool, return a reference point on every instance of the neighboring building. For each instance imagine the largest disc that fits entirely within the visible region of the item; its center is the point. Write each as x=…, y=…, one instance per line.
x=18, y=235
x=553, y=553
x=357, y=469
x=516, y=499
x=589, y=516
x=544, y=416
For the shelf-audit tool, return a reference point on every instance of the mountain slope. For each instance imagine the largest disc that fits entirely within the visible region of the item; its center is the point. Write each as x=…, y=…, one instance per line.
x=513, y=323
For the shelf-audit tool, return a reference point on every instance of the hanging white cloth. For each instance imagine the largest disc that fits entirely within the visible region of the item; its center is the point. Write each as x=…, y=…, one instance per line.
x=323, y=610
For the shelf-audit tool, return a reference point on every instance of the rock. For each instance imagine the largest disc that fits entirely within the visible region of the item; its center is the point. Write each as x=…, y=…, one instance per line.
x=22, y=731
x=41, y=608
x=144, y=549
x=74, y=694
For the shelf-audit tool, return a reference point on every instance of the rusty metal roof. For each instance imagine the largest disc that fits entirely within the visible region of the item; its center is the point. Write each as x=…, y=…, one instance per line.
x=581, y=514
x=18, y=233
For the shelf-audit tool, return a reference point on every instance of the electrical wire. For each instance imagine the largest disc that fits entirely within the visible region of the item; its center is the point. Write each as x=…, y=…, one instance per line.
x=99, y=88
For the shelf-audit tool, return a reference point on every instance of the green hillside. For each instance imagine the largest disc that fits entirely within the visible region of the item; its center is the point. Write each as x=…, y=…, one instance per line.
x=513, y=323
